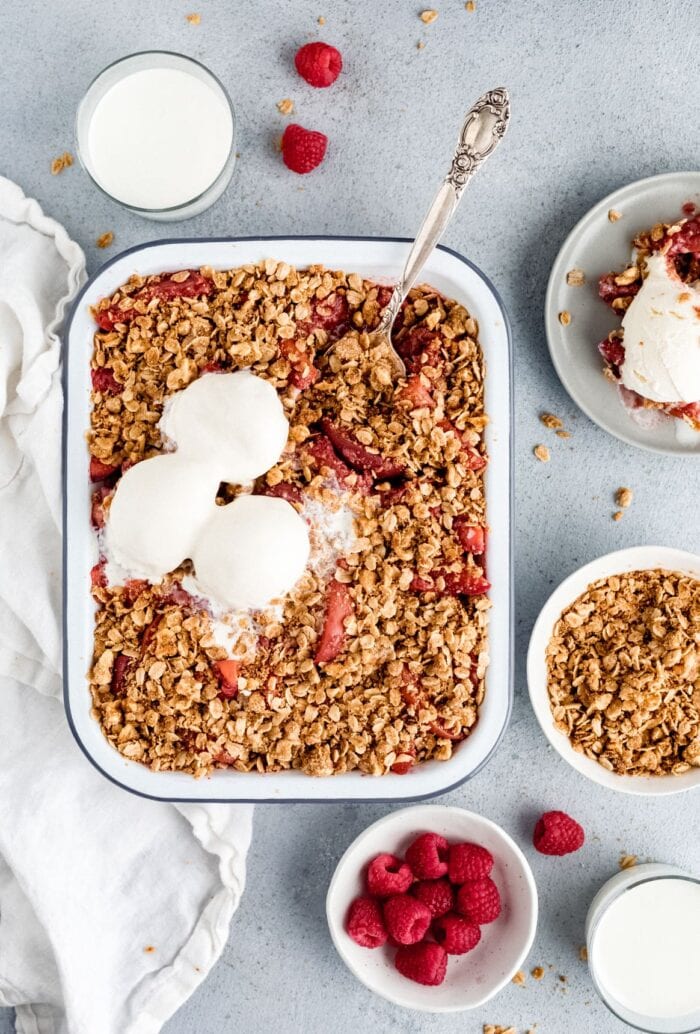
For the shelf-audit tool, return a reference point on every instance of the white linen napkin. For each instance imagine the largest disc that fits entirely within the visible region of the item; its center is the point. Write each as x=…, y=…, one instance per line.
x=112, y=908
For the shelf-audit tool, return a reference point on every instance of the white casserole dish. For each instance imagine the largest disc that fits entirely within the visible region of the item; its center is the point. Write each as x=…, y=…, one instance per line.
x=376, y=258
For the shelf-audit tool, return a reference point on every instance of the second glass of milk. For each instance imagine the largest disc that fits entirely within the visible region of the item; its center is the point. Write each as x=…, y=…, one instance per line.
x=156, y=132
x=643, y=940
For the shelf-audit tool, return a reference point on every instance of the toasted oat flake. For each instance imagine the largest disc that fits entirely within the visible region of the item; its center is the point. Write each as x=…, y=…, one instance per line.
x=627, y=861
x=583, y=953
x=623, y=497
x=537, y=972
x=194, y=18
x=64, y=161
x=565, y=317
x=149, y=949
x=617, y=516
x=622, y=670
x=470, y=6
x=563, y=434
x=519, y=978
x=321, y=20
x=491, y=1028
x=285, y=106
x=576, y=278
x=551, y=421
x=614, y=215
x=428, y=17
x=420, y=44
x=105, y=240
x=542, y=453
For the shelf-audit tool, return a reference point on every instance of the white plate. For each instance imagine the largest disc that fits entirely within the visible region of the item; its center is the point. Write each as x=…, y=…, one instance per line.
x=455, y=277
x=597, y=246
x=471, y=979
x=637, y=558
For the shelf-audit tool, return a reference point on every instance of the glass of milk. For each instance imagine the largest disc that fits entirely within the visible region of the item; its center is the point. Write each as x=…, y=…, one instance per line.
x=156, y=133
x=643, y=939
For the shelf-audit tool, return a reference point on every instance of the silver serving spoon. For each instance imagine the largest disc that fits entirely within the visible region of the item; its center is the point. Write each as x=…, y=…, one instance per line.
x=483, y=129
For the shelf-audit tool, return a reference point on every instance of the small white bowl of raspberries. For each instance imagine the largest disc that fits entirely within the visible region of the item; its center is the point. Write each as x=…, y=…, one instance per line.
x=433, y=908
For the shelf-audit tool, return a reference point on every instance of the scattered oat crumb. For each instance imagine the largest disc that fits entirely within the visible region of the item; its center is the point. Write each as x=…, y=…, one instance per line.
x=149, y=949
x=285, y=106
x=542, y=453
x=551, y=421
x=565, y=317
x=617, y=516
x=64, y=161
x=562, y=978
x=575, y=278
x=470, y=6
x=627, y=861
x=538, y=972
x=321, y=20
x=519, y=978
x=427, y=17
x=490, y=1028
x=194, y=18
x=563, y=434
x=105, y=239
x=623, y=497
x=420, y=44
x=614, y=215
x=531, y=1030
x=583, y=953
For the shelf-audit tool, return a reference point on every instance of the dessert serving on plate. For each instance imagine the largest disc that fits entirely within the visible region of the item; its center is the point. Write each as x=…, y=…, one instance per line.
x=292, y=543
x=654, y=356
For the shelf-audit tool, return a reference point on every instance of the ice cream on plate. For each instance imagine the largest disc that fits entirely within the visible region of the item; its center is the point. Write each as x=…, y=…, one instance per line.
x=662, y=336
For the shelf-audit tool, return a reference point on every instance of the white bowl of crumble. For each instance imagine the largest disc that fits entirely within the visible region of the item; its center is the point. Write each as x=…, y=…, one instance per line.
x=471, y=978
x=613, y=670
x=390, y=655
x=622, y=316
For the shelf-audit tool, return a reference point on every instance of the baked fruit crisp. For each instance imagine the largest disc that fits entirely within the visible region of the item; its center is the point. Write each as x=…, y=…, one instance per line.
x=376, y=660
x=654, y=357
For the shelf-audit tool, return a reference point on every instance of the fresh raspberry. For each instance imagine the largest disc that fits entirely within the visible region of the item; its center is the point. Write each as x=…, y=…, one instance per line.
x=303, y=149
x=479, y=901
x=365, y=924
x=406, y=919
x=455, y=934
x=387, y=875
x=427, y=856
x=426, y=963
x=468, y=862
x=318, y=63
x=557, y=833
x=438, y=895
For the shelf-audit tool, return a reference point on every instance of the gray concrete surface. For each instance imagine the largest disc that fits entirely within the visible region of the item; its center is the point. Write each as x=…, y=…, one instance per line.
x=603, y=93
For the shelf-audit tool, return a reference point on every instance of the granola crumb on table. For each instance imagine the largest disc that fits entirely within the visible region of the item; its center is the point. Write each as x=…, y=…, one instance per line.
x=409, y=680
x=624, y=674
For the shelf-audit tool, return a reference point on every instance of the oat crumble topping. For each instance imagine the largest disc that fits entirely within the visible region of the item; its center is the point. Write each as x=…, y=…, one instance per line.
x=427, y=17
x=519, y=978
x=64, y=161
x=627, y=861
x=614, y=215
x=105, y=240
x=194, y=18
x=285, y=106
x=576, y=278
x=538, y=972
x=409, y=682
x=623, y=672
x=583, y=953
x=542, y=453
x=551, y=421
x=565, y=317
x=624, y=497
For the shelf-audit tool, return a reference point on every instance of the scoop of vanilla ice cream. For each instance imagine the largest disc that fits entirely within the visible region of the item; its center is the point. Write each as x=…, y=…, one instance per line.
x=159, y=508
x=662, y=336
x=234, y=420
x=251, y=552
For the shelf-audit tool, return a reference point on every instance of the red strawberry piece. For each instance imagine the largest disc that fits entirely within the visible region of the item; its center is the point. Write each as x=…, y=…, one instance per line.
x=467, y=582
x=689, y=412
x=365, y=923
x=303, y=373
x=415, y=340
x=331, y=314
x=303, y=150
x=325, y=455
x=164, y=288
x=468, y=862
x=456, y=934
x=479, y=901
x=410, y=688
x=98, y=578
x=437, y=895
x=213, y=368
x=472, y=537
x=427, y=856
x=557, y=833
x=613, y=352
x=387, y=874
x=687, y=240
x=406, y=919
x=133, y=588
x=228, y=672
x=358, y=455
x=100, y=471
x=471, y=456
x=104, y=381
x=440, y=730
x=318, y=63
x=609, y=291
x=97, y=510
x=415, y=394
x=224, y=758
x=282, y=490
x=402, y=767
x=338, y=609
x=121, y=666
x=425, y=963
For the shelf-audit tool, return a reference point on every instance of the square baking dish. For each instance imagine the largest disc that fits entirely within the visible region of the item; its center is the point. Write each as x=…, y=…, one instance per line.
x=374, y=258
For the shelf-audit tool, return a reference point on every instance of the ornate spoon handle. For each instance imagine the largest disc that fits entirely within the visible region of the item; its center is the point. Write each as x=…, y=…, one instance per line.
x=482, y=131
